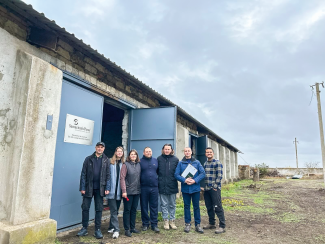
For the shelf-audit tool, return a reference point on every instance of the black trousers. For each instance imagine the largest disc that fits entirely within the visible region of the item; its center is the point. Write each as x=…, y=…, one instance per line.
x=98, y=208
x=213, y=204
x=130, y=211
x=149, y=196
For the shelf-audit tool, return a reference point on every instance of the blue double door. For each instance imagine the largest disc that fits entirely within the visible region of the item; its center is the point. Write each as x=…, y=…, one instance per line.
x=148, y=127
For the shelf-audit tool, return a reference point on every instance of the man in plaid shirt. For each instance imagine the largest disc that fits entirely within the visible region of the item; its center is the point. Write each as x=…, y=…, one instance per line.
x=212, y=192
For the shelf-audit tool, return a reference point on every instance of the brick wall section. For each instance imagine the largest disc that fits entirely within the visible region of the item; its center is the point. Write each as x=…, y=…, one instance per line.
x=186, y=123
x=14, y=25
x=72, y=58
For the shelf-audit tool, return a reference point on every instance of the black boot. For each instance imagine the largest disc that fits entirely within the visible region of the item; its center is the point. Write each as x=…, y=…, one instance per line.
x=135, y=231
x=128, y=233
x=98, y=234
x=83, y=232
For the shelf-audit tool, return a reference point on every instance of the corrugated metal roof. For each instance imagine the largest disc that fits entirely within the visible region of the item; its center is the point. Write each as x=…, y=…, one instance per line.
x=39, y=19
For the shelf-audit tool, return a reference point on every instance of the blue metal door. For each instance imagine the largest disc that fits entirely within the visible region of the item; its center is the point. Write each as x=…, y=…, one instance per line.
x=69, y=157
x=202, y=144
x=152, y=127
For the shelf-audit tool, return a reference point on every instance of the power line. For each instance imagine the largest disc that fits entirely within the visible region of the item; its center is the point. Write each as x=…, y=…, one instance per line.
x=242, y=158
x=312, y=94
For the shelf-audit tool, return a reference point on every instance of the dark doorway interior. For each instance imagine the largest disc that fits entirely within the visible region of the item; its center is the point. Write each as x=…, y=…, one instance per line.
x=193, y=145
x=112, y=128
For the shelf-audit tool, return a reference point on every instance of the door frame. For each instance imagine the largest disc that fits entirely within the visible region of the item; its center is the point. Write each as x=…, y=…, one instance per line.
x=108, y=98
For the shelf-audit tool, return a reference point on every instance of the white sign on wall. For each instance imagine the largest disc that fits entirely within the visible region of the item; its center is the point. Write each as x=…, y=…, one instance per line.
x=78, y=130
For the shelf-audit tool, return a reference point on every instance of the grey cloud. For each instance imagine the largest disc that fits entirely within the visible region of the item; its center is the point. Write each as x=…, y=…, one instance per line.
x=243, y=68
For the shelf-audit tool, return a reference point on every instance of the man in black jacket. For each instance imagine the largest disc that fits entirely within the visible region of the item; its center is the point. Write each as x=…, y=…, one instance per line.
x=167, y=185
x=94, y=182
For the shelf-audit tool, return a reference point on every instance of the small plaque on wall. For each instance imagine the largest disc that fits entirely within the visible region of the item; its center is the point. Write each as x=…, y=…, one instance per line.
x=78, y=130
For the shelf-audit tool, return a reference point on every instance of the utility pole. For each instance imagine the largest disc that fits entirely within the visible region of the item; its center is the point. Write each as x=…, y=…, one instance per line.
x=320, y=124
x=295, y=142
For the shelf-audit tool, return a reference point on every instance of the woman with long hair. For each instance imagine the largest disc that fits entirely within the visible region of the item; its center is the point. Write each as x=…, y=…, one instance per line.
x=130, y=185
x=114, y=196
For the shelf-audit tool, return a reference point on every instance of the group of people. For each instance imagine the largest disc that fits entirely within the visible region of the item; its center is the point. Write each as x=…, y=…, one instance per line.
x=149, y=179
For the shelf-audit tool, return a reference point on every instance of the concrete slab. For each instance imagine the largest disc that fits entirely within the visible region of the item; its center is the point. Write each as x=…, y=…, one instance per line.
x=42, y=231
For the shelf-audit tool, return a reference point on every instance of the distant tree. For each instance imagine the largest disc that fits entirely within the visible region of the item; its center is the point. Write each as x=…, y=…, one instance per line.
x=310, y=166
x=263, y=169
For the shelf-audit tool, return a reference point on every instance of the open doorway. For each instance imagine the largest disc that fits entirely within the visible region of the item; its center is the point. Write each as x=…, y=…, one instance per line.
x=112, y=128
x=193, y=144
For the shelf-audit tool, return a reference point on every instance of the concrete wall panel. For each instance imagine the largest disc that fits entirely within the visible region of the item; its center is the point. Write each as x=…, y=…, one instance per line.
x=182, y=140
x=228, y=163
x=30, y=90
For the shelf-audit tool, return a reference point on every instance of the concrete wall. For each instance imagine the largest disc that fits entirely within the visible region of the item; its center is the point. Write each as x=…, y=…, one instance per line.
x=236, y=165
x=30, y=90
x=295, y=171
x=228, y=164
x=244, y=172
x=182, y=140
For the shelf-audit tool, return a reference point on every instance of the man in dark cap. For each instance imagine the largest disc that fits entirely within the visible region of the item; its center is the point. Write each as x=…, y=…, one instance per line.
x=94, y=182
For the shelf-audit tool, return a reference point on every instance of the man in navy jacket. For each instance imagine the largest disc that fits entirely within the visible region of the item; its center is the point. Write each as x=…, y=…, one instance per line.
x=190, y=188
x=149, y=190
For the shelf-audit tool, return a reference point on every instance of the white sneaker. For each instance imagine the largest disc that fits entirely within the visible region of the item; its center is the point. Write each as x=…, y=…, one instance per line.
x=115, y=235
x=110, y=230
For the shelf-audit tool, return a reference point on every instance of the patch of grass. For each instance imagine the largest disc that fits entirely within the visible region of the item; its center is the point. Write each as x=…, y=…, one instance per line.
x=207, y=239
x=320, y=238
x=251, y=209
x=57, y=241
x=239, y=205
x=179, y=208
x=289, y=218
x=89, y=239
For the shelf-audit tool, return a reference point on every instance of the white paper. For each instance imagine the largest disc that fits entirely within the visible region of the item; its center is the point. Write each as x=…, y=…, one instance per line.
x=189, y=172
x=78, y=130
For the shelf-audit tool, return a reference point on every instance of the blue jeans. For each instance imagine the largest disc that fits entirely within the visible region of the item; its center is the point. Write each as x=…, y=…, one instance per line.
x=196, y=207
x=168, y=205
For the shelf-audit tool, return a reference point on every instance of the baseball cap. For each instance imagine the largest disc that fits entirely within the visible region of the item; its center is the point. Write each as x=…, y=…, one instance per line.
x=100, y=144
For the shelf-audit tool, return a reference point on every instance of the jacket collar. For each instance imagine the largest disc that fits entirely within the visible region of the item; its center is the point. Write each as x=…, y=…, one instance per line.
x=167, y=156
x=145, y=158
x=104, y=157
x=185, y=160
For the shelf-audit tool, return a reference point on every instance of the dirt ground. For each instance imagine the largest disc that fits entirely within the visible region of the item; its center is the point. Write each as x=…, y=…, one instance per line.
x=272, y=211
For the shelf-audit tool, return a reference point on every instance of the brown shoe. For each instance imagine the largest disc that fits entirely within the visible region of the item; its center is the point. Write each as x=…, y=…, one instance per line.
x=220, y=230
x=166, y=224
x=209, y=226
x=172, y=224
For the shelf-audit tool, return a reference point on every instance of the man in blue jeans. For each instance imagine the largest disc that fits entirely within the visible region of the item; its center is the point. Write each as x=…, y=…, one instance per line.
x=190, y=188
x=94, y=182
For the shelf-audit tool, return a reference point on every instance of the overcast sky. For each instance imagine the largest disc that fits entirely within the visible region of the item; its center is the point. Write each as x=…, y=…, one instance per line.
x=243, y=68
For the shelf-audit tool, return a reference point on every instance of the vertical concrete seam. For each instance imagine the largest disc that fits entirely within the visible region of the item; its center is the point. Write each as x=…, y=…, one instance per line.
x=23, y=140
